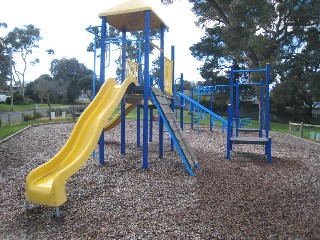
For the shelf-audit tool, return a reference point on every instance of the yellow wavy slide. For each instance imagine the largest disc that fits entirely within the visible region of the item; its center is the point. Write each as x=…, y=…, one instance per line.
x=117, y=118
x=46, y=184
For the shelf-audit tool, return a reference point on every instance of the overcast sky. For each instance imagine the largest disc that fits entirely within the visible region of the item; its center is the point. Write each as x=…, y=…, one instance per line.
x=63, y=26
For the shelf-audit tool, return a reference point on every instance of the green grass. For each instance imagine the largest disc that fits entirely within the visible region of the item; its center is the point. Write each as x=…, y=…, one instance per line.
x=25, y=107
x=6, y=131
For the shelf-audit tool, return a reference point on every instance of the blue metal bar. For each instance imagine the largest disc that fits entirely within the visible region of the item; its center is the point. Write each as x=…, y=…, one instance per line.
x=172, y=101
x=123, y=107
x=248, y=70
x=150, y=124
x=192, y=109
x=237, y=108
x=222, y=120
x=211, y=108
x=102, y=76
x=94, y=67
x=231, y=93
x=250, y=83
x=229, y=131
x=262, y=112
x=161, y=131
x=146, y=88
x=181, y=101
x=138, y=125
x=139, y=106
x=267, y=110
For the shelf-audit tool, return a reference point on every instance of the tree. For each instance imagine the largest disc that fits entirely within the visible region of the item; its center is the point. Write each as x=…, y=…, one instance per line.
x=85, y=84
x=70, y=71
x=4, y=61
x=22, y=41
x=249, y=34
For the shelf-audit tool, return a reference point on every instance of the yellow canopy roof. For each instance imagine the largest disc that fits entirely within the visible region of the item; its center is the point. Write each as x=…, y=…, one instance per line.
x=130, y=14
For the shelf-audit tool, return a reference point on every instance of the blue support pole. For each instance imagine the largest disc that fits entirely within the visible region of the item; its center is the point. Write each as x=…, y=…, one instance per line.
x=102, y=76
x=94, y=76
x=237, y=107
x=123, y=108
x=161, y=132
x=192, y=109
x=229, y=130
x=172, y=102
x=138, y=126
x=267, y=110
x=150, y=124
x=211, y=109
x=231, y=92
x=262, y=115
x=146, y=87
x=181, y=101
x=139, y=106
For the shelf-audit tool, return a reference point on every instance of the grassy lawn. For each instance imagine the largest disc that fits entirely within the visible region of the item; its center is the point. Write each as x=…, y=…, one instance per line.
x=7, y=107
x=6, y=131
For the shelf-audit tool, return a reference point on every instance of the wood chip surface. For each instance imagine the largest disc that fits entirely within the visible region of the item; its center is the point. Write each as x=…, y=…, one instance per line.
x=244, y=198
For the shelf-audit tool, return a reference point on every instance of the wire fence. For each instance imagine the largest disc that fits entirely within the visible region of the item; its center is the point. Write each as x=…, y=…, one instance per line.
x=302, y=130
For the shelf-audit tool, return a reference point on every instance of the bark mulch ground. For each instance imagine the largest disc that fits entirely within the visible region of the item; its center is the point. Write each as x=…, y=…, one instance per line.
x=244, y=198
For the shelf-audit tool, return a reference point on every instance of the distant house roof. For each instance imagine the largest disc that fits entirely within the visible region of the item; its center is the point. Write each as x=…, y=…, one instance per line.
x=130, y=15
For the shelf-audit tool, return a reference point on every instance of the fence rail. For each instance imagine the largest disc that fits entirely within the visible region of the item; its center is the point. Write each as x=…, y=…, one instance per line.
x=305, y=130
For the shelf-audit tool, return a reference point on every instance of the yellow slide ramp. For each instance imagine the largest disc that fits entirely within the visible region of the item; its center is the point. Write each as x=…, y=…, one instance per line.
x=117, y=118
x=46, y=184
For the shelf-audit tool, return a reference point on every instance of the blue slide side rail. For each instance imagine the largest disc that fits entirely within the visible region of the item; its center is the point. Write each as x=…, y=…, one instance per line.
x=222, y=120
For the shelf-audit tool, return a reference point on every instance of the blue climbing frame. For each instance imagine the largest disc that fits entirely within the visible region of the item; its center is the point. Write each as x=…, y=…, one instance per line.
x=264, y=114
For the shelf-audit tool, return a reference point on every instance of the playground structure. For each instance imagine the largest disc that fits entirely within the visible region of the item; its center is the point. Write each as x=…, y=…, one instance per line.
x=234, y=109
x=200, y=114
x=46, y=184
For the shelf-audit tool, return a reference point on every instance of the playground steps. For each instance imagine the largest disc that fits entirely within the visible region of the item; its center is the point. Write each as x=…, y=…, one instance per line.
x=248, y=130
x=249, y=140
x=174, y=126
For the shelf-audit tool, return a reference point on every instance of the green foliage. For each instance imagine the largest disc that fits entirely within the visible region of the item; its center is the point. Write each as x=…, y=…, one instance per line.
x=22, y=41
x=27, y=117
x=69, y=72
x=249, y=34
x=17, y=99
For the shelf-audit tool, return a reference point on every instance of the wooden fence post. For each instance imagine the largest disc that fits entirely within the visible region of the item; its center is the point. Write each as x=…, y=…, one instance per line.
x=289, y=129
x=301, y=130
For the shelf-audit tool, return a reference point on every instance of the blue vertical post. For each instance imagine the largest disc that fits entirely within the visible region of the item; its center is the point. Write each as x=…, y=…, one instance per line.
x=181, y=101
x=94, y=76
x=267, y=107
x=139, y=106
x=161, y=148
x=123, y=108
x=102, y=76
x=211, y=109
x=150, y=124
x=229, y=130
x=146, y=88
x=261, y=108
x=192, y=109
x=172, y=102
x=138, y=126
x=237, y=107
x=231, y=92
